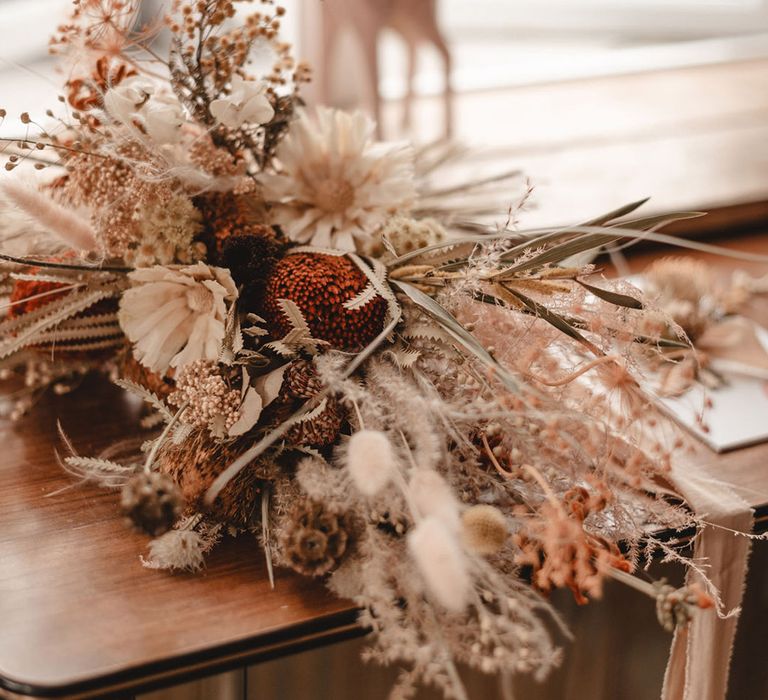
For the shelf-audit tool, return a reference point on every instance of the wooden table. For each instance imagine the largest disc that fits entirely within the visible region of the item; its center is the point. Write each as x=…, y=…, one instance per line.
x=81, y=617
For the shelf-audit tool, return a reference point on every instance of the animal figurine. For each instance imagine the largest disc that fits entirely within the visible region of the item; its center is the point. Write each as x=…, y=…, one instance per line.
x=414, y=20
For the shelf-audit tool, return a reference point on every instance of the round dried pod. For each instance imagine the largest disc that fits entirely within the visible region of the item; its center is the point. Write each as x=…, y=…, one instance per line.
x=195, y=463
x=320, y=285
x=300, y=380
x=314, y=539
x=484, y=529
x=152, y=502
x=321, y=429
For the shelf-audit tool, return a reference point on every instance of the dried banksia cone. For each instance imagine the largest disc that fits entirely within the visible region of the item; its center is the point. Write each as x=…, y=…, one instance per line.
x=132, y=370
x=226, y=214
x=314, y=539
x=484, y=529
x=320, y=285
x=152, y=502
x=194, y=465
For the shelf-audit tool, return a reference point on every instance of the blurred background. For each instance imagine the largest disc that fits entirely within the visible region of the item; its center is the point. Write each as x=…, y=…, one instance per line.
x=598, y=102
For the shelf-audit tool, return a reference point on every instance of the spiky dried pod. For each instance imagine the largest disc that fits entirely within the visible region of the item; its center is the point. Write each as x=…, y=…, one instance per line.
x=320, y=285
x=314, y=539
x=152, y=502
x=300, y=380
x=484, y=529
x=322, y=429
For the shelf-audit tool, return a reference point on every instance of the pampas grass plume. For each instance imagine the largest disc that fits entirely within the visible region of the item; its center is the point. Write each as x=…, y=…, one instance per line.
x=441, y=563
x=371, y=461
x=62, y=222
x=432, y=496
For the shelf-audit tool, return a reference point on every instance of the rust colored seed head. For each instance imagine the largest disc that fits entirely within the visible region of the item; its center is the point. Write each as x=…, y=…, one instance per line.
x=319, y=285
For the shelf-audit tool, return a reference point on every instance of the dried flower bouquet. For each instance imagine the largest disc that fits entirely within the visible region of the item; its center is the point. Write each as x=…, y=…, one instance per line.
x=442, y=419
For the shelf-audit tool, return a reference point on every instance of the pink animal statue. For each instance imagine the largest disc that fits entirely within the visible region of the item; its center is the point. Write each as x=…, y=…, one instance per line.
x=414, y=20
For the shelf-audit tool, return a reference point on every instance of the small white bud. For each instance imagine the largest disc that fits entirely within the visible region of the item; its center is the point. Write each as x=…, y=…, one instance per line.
x=441, y=563
x=371, y=461
x=432, y=495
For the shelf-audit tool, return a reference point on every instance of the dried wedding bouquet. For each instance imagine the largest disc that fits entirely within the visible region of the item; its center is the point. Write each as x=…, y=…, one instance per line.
x=442, y=419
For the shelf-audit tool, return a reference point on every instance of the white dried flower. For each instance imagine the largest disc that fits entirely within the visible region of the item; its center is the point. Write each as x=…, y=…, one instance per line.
x=441, y=563
x=371, y=461
x=246, y=103
x=174, y=316
x=336, y=184
x=432, y=496
x=137, y=101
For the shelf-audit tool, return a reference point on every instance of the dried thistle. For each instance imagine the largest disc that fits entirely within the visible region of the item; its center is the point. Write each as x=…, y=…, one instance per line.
x=152, y=502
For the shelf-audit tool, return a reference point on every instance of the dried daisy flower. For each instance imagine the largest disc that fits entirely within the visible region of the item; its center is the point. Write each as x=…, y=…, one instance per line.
x=335, y=184
x=211, y=404
x=174, y=316
x=167, y=229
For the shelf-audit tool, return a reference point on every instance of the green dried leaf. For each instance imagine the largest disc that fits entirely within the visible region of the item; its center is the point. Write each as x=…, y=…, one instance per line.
x=613, y=297
x=457, y=332
x=555, y=320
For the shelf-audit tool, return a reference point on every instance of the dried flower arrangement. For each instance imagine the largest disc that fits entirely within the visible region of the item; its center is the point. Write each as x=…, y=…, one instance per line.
x=444, y=420
x=706, y=313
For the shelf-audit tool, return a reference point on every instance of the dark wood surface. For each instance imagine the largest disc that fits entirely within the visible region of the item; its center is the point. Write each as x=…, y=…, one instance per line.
x=78, y=612
x=80, y=616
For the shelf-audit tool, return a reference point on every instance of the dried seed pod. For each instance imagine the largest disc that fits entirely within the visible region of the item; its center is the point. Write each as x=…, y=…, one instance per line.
x=152, y=502
x=195, y=463
x=300, y=380
x=484, y=529
x=314, y=539
x=322, y=429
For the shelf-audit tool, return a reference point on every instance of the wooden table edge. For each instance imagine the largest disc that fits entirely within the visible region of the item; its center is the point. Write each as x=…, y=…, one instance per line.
x=283, y=641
